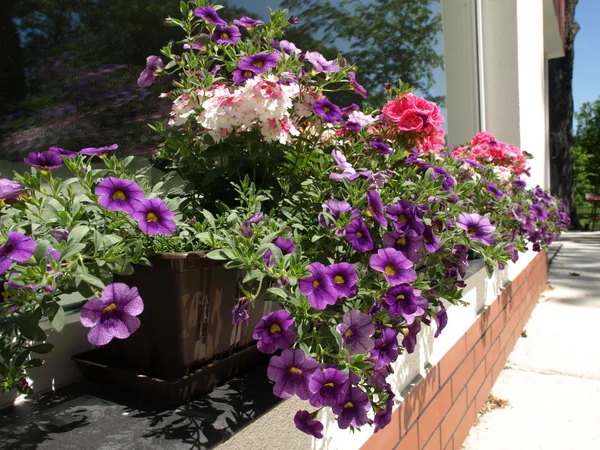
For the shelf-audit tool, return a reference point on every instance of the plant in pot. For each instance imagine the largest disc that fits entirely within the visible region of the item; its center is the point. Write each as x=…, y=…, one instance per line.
x=63, y=236
x=356, y=221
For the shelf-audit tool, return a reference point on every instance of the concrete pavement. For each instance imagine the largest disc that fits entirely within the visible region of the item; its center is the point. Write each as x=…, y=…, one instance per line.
x=552, y=377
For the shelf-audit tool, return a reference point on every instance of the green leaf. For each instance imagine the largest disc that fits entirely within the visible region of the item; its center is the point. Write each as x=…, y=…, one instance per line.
x=278, y=292
x=58, y=321
x=77, y=234
x=20, y=359
x=40, y=250
x=120, y=267
x=221, y=254
x=337, y=336
x=70, y=250
x=42, y=348
x=111, y=239
x=89, y=279
x=35, y=362
x=255, y=274
x=209, y=217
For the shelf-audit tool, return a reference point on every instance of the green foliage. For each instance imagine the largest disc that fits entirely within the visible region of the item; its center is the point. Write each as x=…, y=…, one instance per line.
x=586, y=152
x=100, y=243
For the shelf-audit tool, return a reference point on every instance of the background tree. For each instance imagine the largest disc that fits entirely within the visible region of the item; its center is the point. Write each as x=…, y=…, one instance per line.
x=587, y=151
x=560, y=86
x=386, y=39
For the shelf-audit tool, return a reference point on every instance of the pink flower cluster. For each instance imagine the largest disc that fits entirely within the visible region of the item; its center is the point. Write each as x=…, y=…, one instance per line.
x=485, y=148
x=262, y=102
x=418, y=118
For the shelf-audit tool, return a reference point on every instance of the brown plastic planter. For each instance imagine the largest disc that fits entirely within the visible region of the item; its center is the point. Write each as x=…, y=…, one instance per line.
x=186, y=323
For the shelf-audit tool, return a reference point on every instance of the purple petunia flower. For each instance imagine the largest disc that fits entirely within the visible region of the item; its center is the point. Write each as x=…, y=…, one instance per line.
x=336, y=208
x=275, y=331
x=328, y=387
x=258, y=63
x=538, y=212
x=358, y=235
x=209, y=15
x=384, y=416
x=241, y=76
x=410, y=339
x=353, y=409
x=492, y=188
x=356, y=87
x=62, y=152
x=44, y=161
x=306, y=424
x=477, y=227
x=441, y=320
x=10, y=190
x=239, y=313
x=432, y=242
x=154, y=217
x=375, y=208
x=17, y=247
x=385, y=350
x=405, y=216
x=247, y=22
x=196, y=45
x=343, y=279
x=320, y=64
x=409, y=243
x=61, y=234
x=247, y=225
x=113, y=315
x=291, y=373
x=99, y=151
x=226, y=35
x=286, y=245
x=327, y=110
x=395, y=266
x=356, y=330
x=119, y=195
x=405, y=301
x=318, y=287
x=381, y=148
x=146, y=78
x=288, y=48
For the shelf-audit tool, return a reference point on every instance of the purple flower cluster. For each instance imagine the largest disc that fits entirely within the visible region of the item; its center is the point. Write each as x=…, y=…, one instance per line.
x=327, y=285
x=153, y=215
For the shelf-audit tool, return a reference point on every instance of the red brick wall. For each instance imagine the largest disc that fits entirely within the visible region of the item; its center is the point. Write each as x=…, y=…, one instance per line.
x=439, y=412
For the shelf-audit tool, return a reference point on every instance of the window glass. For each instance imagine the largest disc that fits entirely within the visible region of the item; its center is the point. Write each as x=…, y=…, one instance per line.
x=69, y=69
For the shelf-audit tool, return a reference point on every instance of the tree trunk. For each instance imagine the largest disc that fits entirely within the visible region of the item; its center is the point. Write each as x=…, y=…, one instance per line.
x=12, y=68
x=560, y=85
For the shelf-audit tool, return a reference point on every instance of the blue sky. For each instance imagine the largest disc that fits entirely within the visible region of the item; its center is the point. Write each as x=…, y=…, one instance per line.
x=586, y=74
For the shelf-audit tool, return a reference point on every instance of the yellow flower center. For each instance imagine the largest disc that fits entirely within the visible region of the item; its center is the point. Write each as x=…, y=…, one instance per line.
x=389, y=270
x=472, y=229
x=119, y=195
x=109, y=309
x=274, y=329
x=400, y=297
x=248, y=73
x=401, y=241
x=338, y=279
x=359, y=234
x=329, y=385
x=326, y=109
x=316, y=283
x=151, y=217
x=402, y=218
x=258, y=63
x=349, y=405
x=349, y=333
x=224, y=35
x=295, y=371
